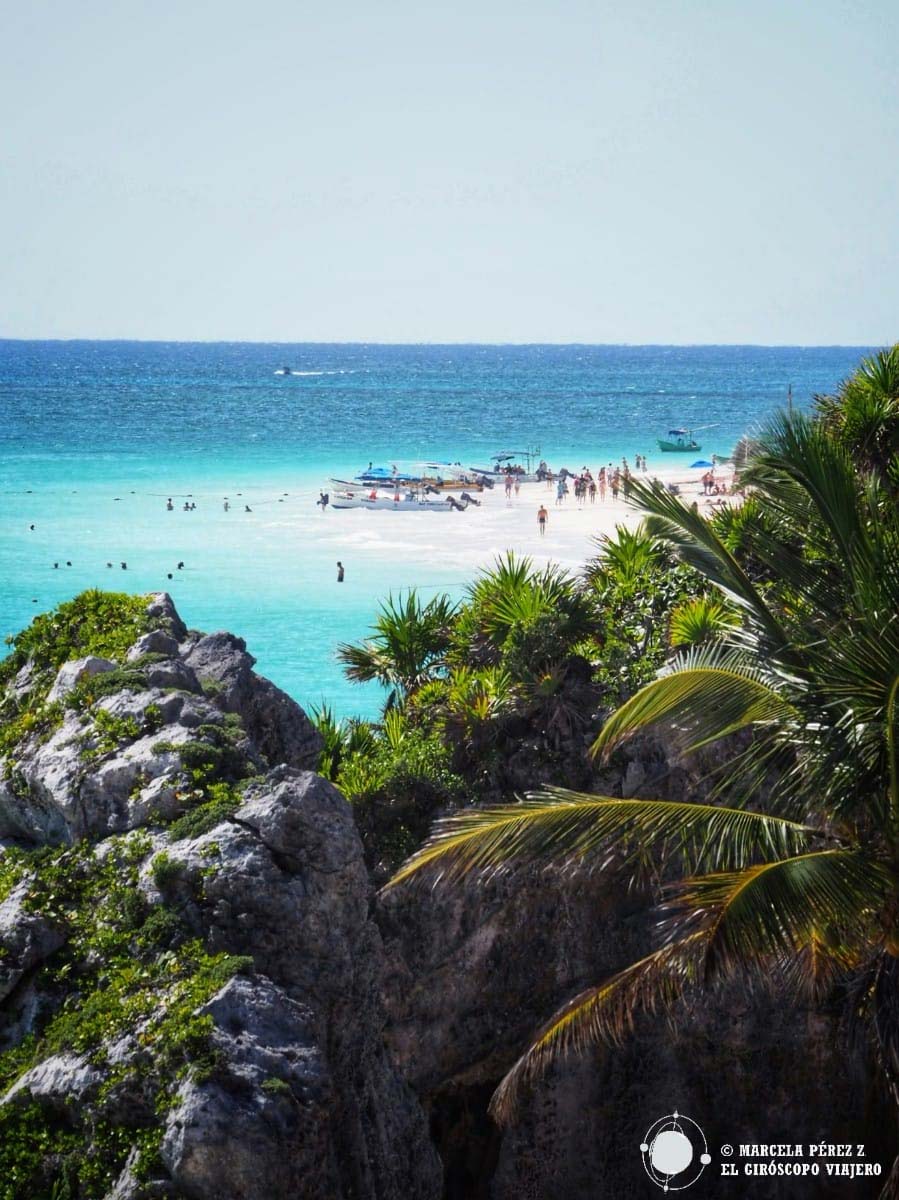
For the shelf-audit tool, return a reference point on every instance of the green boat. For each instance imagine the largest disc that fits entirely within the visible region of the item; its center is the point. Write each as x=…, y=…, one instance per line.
x=682, y=439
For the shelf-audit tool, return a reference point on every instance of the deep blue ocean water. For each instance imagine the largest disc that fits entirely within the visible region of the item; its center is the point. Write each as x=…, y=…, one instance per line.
x=94, y=436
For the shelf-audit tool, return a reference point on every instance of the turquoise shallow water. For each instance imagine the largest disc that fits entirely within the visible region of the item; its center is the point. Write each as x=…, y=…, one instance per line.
x=95, y=435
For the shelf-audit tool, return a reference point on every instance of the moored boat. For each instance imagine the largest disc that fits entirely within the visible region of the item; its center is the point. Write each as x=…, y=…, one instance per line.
x=506, y=463
x=678, y=440
x=681, y=441
x=400, y=501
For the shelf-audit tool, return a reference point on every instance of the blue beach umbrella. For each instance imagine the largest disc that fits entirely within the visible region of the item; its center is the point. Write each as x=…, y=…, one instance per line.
x=701, y=462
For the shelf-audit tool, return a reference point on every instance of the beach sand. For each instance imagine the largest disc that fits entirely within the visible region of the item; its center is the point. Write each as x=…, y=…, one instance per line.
x=270, y=574
x=419, y=544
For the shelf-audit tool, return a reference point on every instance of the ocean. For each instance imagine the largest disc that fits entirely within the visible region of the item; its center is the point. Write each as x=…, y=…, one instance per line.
x=96, y=436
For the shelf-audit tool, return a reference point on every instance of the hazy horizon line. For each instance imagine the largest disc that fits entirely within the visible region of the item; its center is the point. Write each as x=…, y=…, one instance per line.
x=156, y=341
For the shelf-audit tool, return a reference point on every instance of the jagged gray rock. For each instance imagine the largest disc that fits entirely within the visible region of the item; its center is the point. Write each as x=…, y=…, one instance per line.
x=265, y=1116
x=156, y=642
x=60, y=1080
x=302, y=1099
x=26, y=938
x=291, y=888
x=70, y=674
x=280, y=729
x=161, y=608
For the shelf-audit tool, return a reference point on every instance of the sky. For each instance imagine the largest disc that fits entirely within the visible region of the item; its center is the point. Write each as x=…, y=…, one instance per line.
x=645, y=171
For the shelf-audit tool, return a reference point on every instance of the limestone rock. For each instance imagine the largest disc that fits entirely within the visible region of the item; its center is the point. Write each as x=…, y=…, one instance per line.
x=70, y=675
x=290, y=888
x=58, y=1080
x=28, y=817
x=26, y=939
x=259, y=1128
x=161, y=608
x=172, y=673
x=277, y=725
x=156, y=642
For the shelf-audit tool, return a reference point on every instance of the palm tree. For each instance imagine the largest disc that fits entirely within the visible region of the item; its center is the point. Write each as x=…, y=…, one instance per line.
x=806, y=892
x=522, y=617
x=407, y=647
x=865, y=413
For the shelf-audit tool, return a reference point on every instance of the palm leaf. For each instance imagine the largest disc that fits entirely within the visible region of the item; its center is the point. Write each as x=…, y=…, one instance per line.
x=707, y=694
x=558, y=826
x=603, y=1015
x=780, y=908
x=697, y=543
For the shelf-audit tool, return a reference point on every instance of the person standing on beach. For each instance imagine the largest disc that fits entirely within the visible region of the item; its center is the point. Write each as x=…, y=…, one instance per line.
x=340, y=572
x=615, y=482
x=542, y=514
x=601, y=480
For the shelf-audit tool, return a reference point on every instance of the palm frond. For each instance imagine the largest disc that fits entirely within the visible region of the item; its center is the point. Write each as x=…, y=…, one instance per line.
x=603, y=1015
x=819, y=967
x=797, y=460
x=700, y=619
x=706, y=694
x=780, y=908
x=559, y=826
x=697, y=543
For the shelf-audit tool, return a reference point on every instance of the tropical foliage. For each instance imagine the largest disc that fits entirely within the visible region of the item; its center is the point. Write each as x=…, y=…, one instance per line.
x=796, y=662
x=407, y=647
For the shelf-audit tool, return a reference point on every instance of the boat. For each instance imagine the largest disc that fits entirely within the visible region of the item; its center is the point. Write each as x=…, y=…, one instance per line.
x=406, y=501
x=681, y=440
x=454, y=476
x=506, y=463
x=382, y=476
x=433, y=483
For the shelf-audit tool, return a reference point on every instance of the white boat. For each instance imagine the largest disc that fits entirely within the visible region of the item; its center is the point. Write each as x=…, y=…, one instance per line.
x=505, y=464
x=399, y=501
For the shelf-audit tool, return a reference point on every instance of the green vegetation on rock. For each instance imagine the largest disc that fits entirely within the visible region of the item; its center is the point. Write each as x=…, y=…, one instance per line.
x=129, y=979
x=98, y=623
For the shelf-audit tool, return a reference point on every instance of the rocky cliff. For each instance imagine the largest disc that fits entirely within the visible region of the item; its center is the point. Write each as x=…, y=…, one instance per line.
x=475, y=969
x=201, y=996
x=190, y=979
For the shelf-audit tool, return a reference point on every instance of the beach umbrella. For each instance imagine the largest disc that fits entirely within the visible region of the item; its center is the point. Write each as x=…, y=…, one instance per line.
x=701, y=462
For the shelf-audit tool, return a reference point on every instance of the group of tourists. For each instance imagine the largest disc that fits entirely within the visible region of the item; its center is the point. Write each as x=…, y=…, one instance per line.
x=711, y=486
x=587, y=487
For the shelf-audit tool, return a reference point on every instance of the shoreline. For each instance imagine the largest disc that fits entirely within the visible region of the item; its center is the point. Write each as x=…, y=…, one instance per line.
x=271, y=572
x=499, y=525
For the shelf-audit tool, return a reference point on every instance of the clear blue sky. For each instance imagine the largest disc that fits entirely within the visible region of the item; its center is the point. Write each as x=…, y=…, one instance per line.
x=642, y=171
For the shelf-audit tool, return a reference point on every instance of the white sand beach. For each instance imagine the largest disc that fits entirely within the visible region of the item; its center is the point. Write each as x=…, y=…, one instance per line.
x=419, y=543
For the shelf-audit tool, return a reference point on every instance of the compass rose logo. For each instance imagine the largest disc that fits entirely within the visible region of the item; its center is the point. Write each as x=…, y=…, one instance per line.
x=675, y=1152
